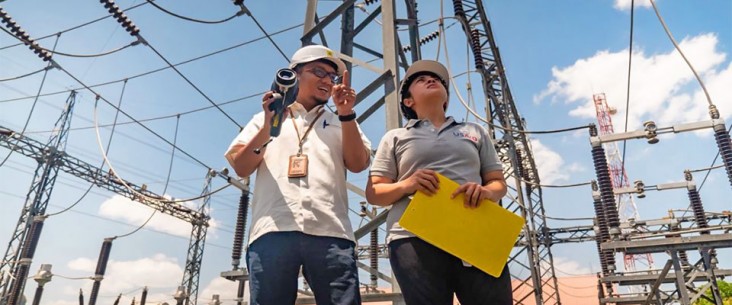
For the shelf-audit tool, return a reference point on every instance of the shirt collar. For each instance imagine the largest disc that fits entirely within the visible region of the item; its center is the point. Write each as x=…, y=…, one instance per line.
x=299, y=109
x=412, y=123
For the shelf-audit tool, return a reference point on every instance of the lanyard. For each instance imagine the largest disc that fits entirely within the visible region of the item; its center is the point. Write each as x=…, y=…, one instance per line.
x=302, y=139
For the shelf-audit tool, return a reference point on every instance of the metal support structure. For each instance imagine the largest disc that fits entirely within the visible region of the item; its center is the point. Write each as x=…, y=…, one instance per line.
x=673, y=246
x=22, y=244
x=196, y=244
x=514, y=150
x=390, y=41
x=52, y=158
x=95, y=175
x=680, y=283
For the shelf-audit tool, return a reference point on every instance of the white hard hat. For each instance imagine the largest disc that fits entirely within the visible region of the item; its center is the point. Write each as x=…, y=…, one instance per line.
x=312, y=53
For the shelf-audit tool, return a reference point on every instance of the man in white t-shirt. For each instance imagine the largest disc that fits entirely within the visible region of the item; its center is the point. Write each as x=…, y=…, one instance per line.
x=300, y=203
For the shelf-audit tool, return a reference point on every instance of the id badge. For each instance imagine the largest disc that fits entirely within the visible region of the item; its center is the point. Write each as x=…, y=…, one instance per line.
x=298, y=166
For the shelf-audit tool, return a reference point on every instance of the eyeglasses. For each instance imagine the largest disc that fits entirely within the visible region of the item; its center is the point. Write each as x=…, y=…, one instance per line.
x=320, y=73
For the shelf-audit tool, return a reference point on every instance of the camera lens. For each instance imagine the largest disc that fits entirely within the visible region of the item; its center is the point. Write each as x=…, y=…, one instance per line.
x=286, y=77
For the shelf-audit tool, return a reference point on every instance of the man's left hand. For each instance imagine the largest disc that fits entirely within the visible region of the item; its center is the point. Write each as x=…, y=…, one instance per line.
x=344, y=97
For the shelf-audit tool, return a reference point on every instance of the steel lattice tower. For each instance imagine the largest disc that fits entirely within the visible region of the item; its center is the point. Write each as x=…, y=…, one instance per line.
x=22, y=246
x=627, y=209
x=533, y=249
x=52, y=158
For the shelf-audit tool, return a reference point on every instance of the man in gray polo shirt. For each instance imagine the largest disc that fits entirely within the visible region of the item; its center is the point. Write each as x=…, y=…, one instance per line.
x=407, y=161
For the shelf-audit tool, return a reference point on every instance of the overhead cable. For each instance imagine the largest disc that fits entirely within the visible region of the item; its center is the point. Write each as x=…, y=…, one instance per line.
x=237, y=14
x=249, y=13
x=163, y=68
x=35, y=101
x=627, y=90
x=168, y=116
x=134, y=43
x=27, y=74
x=167, y=179
x=676, y=45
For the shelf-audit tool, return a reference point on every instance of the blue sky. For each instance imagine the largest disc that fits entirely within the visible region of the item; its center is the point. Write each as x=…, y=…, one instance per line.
x=556, y=53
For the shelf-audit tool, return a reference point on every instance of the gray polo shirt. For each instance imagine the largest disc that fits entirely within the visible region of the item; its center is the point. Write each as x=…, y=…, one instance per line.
x=459, y=151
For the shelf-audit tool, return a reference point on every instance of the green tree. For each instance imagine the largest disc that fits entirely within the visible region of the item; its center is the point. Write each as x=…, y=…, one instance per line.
x=725, y=290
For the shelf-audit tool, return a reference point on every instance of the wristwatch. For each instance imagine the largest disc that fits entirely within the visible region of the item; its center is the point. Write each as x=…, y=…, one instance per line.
x=347, y=117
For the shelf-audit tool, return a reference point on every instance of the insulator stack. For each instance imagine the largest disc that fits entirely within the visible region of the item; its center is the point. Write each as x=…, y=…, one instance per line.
x=24, y=37
x=241, y=223
x=606, y=189
x=458, y=6
x=520, y=165
x=725, y=148
x=477, y=49
x=29, y=249
x=700, y=216
x=101, y=269
x=521, y=171
x=122, y=19
x=698, y=209
x=374, y=256
x=607, y=259
x=423, y=41
x=684, y=258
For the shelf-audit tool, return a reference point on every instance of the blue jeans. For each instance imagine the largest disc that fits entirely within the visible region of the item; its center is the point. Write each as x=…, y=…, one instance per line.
x=329, y=266
x=429, y=276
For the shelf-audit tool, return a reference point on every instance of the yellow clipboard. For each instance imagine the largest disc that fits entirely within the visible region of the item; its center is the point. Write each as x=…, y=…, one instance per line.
x=482, y=236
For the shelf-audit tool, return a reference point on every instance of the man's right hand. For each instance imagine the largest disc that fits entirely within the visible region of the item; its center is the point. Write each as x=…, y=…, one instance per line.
x=267, y=99
x=424, y=180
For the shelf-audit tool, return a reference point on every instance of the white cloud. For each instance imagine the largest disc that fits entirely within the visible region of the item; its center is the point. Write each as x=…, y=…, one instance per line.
x=224, y=288
x=565, y=266
x=625, y=4
x=659, y=89
x=124, y=209
x=550, y=164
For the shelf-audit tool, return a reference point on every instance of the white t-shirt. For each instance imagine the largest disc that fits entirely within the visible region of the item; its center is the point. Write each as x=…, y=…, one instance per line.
x=316, y=204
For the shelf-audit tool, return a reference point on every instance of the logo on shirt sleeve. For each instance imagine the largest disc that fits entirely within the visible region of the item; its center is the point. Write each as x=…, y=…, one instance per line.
x=325, y=123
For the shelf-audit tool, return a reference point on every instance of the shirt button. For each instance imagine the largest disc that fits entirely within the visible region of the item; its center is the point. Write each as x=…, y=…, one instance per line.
x=433, y=130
